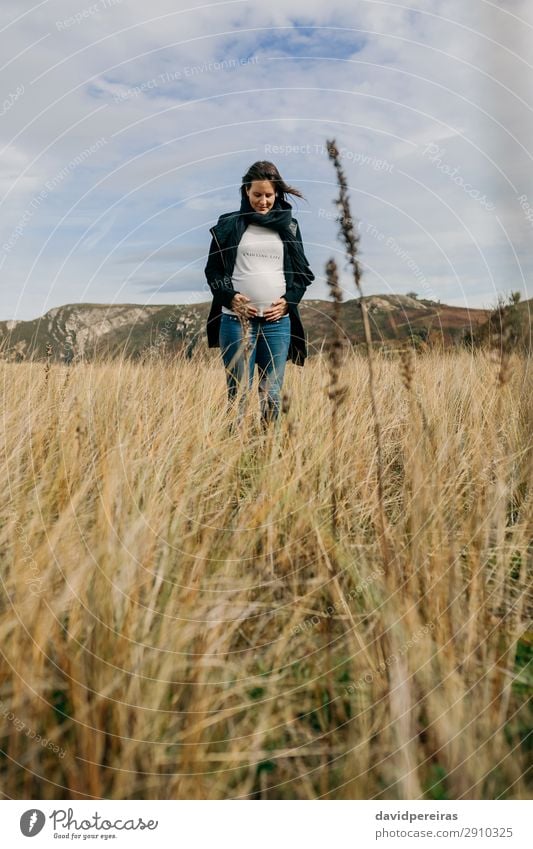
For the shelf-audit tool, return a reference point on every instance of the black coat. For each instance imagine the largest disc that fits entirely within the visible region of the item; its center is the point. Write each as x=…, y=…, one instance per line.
x=226, y=235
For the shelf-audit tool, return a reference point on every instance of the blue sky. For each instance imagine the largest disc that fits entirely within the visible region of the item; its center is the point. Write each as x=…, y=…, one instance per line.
x=126, y=128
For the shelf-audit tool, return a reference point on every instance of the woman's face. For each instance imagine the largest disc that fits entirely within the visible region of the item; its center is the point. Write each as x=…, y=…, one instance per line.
x=261, y=195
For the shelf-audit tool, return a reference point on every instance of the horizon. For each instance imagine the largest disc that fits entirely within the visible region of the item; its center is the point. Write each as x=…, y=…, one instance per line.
x=208, y=301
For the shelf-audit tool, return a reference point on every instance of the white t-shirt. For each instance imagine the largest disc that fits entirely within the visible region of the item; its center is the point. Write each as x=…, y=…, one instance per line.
x=258, y=271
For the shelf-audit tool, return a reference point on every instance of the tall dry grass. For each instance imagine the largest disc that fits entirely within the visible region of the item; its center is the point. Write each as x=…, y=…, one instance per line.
x=179, y=618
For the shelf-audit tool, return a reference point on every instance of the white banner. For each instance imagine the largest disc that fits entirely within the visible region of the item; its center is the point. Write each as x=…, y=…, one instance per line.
x=264, y=825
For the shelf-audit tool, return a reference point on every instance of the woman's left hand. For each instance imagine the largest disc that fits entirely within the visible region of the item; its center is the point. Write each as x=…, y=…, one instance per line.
x=276, y=310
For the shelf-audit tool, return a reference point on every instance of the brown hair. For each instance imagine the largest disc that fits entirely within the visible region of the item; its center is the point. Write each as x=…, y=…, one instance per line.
x=263, y=170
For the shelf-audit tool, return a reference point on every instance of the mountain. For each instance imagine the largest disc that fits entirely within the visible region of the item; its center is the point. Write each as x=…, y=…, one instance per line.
x=94, y=331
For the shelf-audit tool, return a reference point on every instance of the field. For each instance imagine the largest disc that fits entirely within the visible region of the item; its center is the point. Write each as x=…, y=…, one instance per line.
x=189, y=613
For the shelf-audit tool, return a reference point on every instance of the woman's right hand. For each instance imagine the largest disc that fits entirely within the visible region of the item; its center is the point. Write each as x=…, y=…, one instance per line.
x=242, y=306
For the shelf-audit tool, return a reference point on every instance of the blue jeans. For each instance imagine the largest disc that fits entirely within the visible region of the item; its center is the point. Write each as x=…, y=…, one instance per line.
x=268, y=347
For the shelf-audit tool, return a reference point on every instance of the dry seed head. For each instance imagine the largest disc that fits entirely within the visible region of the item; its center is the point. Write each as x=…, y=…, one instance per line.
x=505, y=369
x=49, y=351
x=346, y=223
x=332, y=277
x=338, y=394
x=335, y=347
x=246, y=338
x=407, y=367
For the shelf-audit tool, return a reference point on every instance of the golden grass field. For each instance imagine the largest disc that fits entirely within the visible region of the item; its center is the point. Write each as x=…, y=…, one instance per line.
x=181, y=619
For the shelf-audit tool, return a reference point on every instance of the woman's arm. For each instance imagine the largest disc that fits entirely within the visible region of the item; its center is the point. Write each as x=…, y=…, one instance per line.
x=305, y=275
x=302, y=277
x=219, y=282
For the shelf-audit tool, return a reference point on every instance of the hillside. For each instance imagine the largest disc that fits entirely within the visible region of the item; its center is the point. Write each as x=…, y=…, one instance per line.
x=92, y=331
x=509, y=324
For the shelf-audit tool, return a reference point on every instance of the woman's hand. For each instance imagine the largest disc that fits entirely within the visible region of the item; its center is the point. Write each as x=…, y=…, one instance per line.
x=277, y=310
x=242, y=306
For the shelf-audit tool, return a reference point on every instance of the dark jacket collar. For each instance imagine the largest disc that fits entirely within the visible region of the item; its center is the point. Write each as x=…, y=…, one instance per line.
x=227, y=222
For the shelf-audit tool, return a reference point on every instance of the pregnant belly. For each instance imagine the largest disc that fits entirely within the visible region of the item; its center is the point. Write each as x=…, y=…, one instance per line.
x=261, y=290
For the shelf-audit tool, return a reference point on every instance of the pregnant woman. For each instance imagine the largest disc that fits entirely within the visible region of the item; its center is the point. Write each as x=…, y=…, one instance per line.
x=257, y=272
